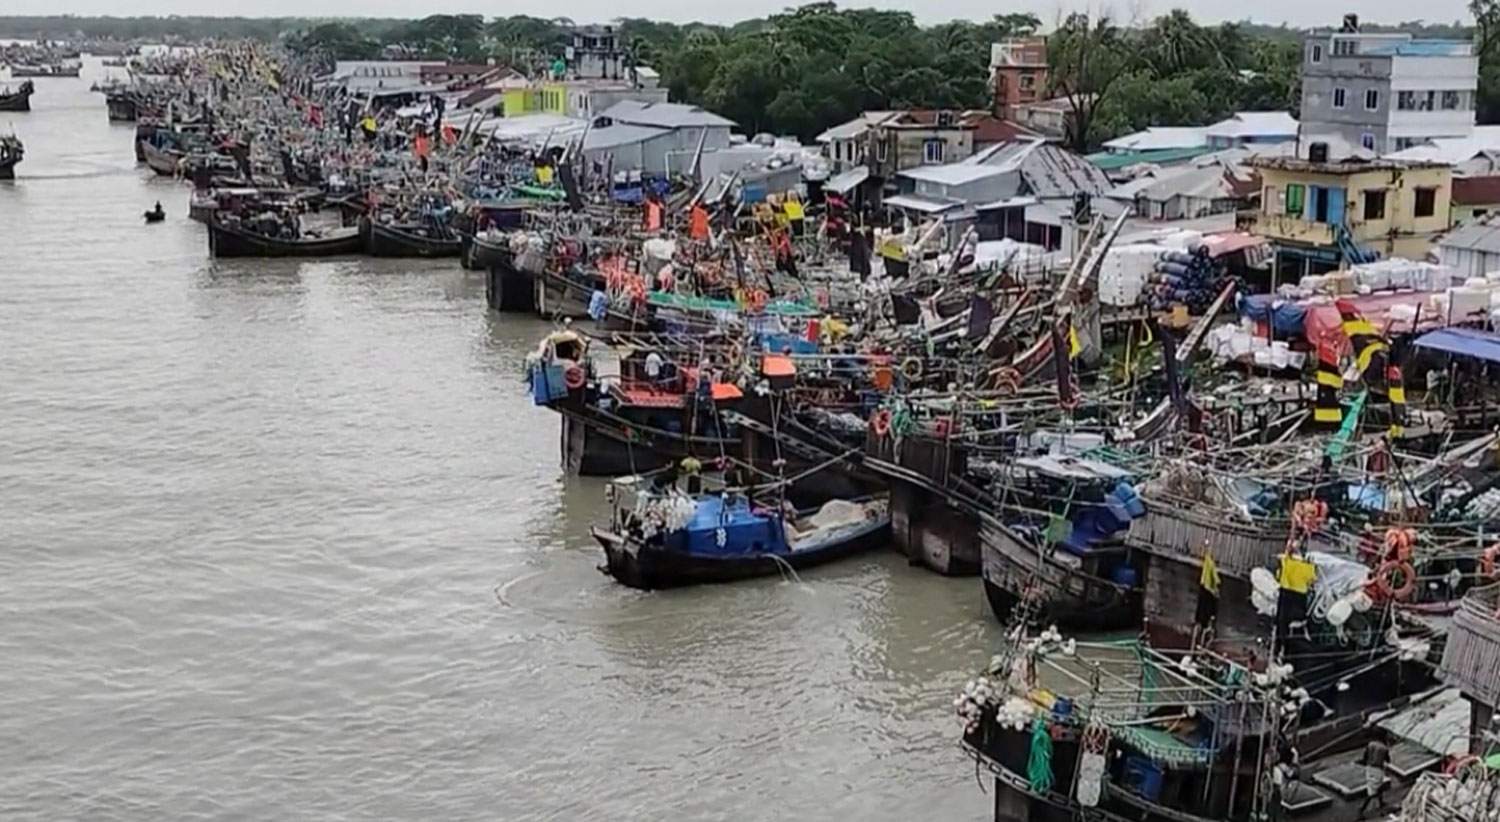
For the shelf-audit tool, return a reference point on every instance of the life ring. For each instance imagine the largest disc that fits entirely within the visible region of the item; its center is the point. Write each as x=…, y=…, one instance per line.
x=1309, y=514
x=1383, y=579
x=758, y=300
x=1008, y=380
x=573, y=376
x=1398, y=543
x=1487, y=561
x=911, y=368
x=880, y=422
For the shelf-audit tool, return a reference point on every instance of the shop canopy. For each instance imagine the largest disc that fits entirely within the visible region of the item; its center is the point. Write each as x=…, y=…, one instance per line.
x=1465, y=342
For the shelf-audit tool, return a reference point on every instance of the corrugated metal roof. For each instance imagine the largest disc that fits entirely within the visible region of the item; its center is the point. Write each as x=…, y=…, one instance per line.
x=664, y=115
x=1158, y=138
x=1052, y=171
x=920, y=204
x=854, y=128
x=1117, y=161
x=1255, y=124
x=1483, y=236
x=841, y=183
x=619, y=134
x=951, y=174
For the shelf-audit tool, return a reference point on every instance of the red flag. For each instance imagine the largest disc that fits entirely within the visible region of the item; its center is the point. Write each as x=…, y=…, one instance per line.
x=422, y=146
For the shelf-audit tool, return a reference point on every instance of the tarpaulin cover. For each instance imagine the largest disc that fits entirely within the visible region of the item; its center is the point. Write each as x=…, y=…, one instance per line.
x=1285, y=318
x=1465, y=342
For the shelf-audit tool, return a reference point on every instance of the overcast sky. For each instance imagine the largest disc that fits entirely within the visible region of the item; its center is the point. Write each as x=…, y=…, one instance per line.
x=1296, y=12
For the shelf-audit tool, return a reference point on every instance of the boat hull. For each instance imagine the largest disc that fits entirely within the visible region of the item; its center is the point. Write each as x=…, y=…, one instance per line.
x=507, y=288
x=650, y=568
x=385, y=241
x=17, y=102
x=8, y=169
x=231, y=242
x=1066, y=596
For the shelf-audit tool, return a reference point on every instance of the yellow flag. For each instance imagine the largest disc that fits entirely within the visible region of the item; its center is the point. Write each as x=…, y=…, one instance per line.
x=1074, y=346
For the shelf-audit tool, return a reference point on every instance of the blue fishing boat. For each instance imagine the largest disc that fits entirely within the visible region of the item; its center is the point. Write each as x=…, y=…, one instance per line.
x=662, y=537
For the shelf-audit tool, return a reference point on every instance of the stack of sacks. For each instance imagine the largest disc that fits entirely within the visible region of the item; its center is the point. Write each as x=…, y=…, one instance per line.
x=1190, y=278
x=1125, y=272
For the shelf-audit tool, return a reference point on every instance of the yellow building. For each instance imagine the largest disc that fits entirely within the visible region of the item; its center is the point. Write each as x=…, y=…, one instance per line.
x=1324, y=213
x=540, y=98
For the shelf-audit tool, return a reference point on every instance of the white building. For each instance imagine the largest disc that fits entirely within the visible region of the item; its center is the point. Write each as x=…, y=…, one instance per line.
x=1387, y=92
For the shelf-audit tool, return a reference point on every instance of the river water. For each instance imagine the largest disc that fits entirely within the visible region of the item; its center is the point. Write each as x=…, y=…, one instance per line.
x=288, y=541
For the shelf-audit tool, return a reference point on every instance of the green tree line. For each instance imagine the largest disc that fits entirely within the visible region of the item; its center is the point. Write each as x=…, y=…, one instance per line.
x=810, y=67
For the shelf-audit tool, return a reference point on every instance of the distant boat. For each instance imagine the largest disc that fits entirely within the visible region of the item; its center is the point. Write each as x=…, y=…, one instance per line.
x=668, y=539
x=385, y=240
x=11, y=153
x=18, y=100
x=225, y=240
x=50, y=70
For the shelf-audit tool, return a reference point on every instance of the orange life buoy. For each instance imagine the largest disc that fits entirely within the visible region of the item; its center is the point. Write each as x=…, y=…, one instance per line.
x=1386, y=586
x=1008, y=380
x=1398, y=543
x=573, y=376
x=880, y=422
x=758, y=300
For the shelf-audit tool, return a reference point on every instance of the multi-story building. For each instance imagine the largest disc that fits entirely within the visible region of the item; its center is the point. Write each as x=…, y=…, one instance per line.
x=1387, y=92
x=1018, y=73
x=1322, y=210
x=595, y=52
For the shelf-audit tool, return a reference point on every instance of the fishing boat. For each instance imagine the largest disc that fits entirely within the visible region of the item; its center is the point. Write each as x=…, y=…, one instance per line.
x=668, y=538
x=11, y=154
x=387, y=240
x=47, y=70
x=228, y=239
x=18, y=100
x=122, y=106
x=165, y=162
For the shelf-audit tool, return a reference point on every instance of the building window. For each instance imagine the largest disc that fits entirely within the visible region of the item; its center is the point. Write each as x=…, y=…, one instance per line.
x=882, y=151
x=1426, y=203
x=932, y=151
x=1372, y=99
x=1375, y=204
x=1028, y=80
x=1406, y=100
x=1317, y=52
x=1344, y=47
x=1339, y=98
x=1294, y=193
x=1450, y=100
x=1367, y=140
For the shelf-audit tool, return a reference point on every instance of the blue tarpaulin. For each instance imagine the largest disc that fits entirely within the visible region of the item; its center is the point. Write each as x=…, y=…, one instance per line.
x=1465, y=342
x=1286, y=319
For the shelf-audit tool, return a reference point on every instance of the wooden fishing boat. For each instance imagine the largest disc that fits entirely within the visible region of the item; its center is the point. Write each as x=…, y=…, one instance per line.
x=11, y=154
x=383, y=240
x=226, y=240
x=164, y=162
x=18, y=100
x=50, y=70
x=668, y=539
x=122, y=107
